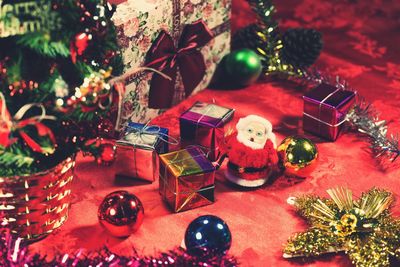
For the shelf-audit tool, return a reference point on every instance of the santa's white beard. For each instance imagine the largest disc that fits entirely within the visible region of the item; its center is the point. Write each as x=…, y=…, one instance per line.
x=243, y=139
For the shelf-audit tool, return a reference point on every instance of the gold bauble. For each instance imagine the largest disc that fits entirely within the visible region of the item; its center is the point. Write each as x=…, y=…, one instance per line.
x=298, y=156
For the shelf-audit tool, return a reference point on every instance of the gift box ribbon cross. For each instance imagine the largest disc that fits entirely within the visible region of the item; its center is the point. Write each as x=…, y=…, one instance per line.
x=321, y=103
x=146, y=138
x=165, y=57
x=212, y=116
x=186, y=164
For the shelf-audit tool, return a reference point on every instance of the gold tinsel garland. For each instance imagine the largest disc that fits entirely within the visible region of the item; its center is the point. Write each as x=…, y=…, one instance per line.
x=363, y=228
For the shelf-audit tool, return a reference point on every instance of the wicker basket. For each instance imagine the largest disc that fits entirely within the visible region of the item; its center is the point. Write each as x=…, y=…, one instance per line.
x=33, y=206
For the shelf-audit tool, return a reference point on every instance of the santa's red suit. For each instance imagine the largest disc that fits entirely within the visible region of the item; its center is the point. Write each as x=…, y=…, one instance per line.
x=248, y=163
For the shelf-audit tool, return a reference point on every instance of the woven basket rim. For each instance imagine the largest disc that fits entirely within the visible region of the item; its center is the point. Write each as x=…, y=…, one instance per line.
x=41, y=173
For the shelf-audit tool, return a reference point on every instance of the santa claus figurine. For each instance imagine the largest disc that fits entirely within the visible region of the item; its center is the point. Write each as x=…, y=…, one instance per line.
x=251, y=152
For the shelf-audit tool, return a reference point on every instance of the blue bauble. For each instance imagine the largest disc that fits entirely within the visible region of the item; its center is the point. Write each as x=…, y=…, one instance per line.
x=208, y=235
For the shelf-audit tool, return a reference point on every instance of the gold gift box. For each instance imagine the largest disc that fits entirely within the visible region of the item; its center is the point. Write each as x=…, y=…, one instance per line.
x=186, y=179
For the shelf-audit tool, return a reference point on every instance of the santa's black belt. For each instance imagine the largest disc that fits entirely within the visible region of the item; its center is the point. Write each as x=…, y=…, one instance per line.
x=239, y=169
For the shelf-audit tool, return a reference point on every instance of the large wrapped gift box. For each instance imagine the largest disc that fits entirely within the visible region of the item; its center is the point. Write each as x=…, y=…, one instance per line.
x=185, y=39
x=325, y=110
x=186, y=179
x=203, y=125
x=138, y=149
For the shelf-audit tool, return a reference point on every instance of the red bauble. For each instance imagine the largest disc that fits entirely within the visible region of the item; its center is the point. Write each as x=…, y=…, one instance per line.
x=121, y=213
x=79, y=45
x=107, y=153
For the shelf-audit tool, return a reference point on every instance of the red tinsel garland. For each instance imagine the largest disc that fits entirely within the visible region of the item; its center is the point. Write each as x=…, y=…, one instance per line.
x=14, y=253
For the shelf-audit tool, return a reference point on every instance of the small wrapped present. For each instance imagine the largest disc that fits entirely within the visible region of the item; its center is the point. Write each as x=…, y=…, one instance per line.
x=183, y=39
x=325, y=110
x=138, y=149
x=186, y=179
x=203, y=125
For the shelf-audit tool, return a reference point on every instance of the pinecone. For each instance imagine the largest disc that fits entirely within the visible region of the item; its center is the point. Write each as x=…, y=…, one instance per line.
x=301, y=47
x=247, y=38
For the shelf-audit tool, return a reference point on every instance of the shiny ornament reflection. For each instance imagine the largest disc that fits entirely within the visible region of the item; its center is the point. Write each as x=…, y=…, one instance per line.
x=208, y=235
x=107, y=154
x=121, y=213
x=298, y=156
x=243, y=67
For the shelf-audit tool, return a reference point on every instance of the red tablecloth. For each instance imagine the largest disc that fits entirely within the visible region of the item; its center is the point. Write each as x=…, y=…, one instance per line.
x=361, y=45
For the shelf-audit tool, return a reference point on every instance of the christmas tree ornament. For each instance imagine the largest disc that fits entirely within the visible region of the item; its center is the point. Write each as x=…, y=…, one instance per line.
x=251, y=150
x=298, y=156
x=363, y=228
x=301, y=47
x=79, y=44
x=121, y=213
x=107, y=154
x=242, y=67
x=208, y=234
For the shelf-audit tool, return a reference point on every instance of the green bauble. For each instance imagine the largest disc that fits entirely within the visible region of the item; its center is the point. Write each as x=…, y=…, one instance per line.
x=242, y=67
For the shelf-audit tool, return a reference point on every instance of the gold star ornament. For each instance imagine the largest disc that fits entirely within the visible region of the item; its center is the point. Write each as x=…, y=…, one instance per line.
x=363, y=228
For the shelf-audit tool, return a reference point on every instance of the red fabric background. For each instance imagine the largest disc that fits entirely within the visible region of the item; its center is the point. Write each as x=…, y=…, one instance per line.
x=361, y=45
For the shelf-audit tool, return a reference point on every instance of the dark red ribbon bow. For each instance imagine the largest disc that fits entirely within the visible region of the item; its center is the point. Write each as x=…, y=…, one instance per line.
x=165, y=57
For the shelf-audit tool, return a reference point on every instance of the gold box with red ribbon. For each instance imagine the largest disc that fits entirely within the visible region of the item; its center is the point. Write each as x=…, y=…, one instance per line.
x=186, y=179
x=183, y=39
x=137, y=151
x=325, y=110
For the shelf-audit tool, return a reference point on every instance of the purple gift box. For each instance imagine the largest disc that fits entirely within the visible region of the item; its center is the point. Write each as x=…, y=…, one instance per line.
x=203, y=125
x=325, y=110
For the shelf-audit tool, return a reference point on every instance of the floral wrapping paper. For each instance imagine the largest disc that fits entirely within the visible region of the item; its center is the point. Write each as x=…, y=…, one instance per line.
x=139, y=24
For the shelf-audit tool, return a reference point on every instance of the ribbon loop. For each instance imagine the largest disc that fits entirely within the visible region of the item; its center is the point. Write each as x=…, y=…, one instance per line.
x=17, y=123
x=164, y=56
x=139, y=134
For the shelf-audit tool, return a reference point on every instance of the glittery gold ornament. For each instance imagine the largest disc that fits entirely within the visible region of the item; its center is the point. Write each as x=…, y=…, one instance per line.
x=346, y=226
x=298, y=156
x=364, y=228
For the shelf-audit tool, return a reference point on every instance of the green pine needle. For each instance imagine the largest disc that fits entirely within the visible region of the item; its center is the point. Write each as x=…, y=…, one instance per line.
x=270, y=35
x=14, y=157
x=42, y=44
